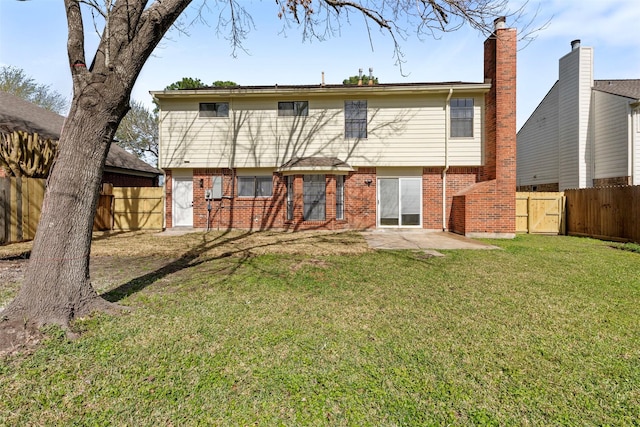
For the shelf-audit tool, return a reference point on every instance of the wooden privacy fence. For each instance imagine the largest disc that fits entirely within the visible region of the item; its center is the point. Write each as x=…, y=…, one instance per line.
x=20, y=204
x=611, y=213
x=129, y=208
x=540, y=213
x=120, y=208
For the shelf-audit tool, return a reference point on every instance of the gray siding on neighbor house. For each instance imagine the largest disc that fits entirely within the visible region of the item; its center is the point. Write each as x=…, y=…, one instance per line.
x=537, y=149
x=611, y=129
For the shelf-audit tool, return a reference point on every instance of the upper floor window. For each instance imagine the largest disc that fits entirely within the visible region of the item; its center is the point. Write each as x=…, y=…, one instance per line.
x=461, y=117
x=355, y=119
x=293, y=108
x=255, y=186
x=214, y=109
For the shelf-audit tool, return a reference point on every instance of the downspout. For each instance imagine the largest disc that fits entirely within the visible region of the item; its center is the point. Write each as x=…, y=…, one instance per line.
x=446, y=160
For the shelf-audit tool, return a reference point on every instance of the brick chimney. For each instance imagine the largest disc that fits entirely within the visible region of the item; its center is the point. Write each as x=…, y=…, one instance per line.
x=500, y=115
x=488, y=207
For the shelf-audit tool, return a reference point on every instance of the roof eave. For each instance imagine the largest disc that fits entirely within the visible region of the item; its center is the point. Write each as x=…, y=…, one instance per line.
x=324, y=90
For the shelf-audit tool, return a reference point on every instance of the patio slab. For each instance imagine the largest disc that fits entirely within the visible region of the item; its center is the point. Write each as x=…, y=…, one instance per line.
x=425, y=240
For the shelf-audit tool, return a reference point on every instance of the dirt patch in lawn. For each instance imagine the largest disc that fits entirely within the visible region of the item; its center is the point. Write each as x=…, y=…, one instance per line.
x=119, y=259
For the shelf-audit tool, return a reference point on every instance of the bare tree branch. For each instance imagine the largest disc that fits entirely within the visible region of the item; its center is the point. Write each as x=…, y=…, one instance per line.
x=75, y=41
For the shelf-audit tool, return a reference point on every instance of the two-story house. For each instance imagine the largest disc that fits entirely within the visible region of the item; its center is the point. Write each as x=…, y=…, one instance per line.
x=422, y=155
x=584, y=133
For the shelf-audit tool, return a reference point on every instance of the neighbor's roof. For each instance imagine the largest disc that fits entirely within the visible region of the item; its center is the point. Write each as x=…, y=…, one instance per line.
x=628, y=88
x=18, y=114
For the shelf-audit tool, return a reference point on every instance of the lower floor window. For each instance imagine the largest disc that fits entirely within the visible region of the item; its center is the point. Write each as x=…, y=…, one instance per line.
x=339, y=197
x=314, y=191
x=255, y=186
x=290, y=197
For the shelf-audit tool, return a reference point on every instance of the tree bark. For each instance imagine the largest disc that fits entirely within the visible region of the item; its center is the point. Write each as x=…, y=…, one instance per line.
x=57, y=287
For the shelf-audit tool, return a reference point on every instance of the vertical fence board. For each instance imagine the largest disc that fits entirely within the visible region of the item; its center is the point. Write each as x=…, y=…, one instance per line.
x=138, y=208
x=5, y=209
x=605, y=213
x=32, y=197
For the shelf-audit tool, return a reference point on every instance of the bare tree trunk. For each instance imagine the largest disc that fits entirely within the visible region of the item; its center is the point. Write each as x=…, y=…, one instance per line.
x=57, y=288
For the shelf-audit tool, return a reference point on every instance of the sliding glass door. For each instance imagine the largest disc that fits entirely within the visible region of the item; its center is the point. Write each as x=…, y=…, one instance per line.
x=399, y=202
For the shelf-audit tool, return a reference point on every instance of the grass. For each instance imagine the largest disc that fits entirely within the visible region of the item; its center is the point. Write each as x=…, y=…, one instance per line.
x=322, y=331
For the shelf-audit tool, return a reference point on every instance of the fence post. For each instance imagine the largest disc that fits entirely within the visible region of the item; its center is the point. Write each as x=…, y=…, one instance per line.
x=529, y=216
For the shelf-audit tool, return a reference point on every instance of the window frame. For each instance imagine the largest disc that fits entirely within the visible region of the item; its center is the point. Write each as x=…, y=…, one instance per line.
x=290, y=196
x=254, y=181
x=298, y=109
x=339, y=197
x=462, y=118
x=313, y=201
x=355, y=127
x=217, y=110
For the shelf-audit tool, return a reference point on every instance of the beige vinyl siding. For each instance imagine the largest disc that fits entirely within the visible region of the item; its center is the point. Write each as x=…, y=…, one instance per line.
x=402, y=131
x=537, y=146
x=611, y=128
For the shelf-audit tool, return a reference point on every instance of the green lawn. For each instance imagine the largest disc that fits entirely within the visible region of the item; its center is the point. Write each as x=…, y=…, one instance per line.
x=545, y=331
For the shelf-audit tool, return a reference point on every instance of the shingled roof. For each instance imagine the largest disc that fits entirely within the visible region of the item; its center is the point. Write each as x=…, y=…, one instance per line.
x=18, y=114
x=628, y=88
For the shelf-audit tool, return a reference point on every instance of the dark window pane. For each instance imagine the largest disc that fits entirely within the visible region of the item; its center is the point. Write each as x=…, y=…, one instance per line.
x=339, y=197
x=214, y=109
x=355, y=119
x=293, y=108
x=246, y=186
x=461, y=117
x=314, y=190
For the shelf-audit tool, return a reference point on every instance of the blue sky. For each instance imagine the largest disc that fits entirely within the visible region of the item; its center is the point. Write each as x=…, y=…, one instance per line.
x=33, y=37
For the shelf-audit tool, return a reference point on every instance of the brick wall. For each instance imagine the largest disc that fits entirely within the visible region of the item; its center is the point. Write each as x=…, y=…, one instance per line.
x=608, y=182
x=552, y=187
x=488, y=207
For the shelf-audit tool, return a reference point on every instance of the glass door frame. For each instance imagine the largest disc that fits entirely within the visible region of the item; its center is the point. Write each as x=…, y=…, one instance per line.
x=379, y=210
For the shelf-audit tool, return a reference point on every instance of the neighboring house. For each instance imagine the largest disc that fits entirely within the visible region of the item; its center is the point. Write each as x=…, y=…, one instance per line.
x=122, y=169
x=584, y=133
x=420, y=155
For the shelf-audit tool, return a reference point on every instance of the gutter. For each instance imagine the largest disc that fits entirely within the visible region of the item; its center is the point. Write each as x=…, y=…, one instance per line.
x=446, y=160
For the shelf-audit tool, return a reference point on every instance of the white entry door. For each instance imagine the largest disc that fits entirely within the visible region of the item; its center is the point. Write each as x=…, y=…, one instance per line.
x=183, y=202
x=399, y=202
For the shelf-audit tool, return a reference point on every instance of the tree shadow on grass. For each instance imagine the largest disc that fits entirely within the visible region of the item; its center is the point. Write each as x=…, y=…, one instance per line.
x=194, y=258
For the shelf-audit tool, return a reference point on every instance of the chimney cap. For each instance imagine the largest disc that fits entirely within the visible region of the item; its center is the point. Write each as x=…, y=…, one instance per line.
x=575, y=44
x=500, y=23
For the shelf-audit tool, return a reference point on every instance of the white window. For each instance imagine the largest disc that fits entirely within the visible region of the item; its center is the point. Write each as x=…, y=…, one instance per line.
x=461, y=117
x=214, y=109
x=339, y=197
x=355, y=119
x=290, y=179
x=314, y=190
x=255, y=186
x=293, y=108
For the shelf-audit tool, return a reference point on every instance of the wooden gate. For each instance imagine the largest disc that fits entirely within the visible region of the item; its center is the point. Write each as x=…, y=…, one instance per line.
x=540, y=213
